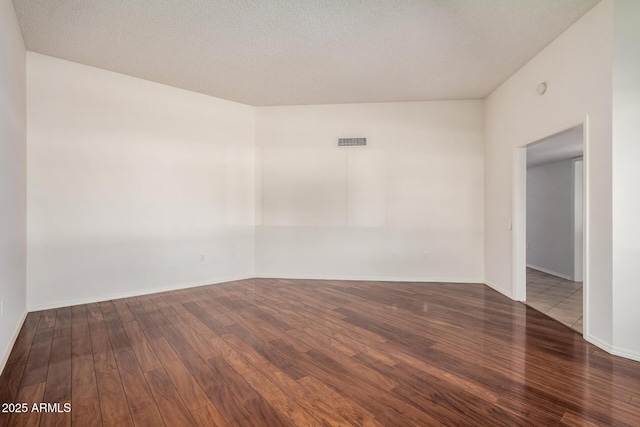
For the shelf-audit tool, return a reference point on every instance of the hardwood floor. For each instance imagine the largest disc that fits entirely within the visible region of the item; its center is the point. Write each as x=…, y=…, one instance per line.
x=299, y=352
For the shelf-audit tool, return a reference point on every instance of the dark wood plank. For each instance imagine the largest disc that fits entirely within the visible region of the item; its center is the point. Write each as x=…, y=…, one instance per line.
x=63, y=321
x=80, y=334
x=14, y=369
x=113, y=325
x=319, y=410
x=113, y=402
x=313, y=352
x=172, y=408
x=349, y=411
x=144, y=353
x=186, y=385
x=253, y=409
x=10, y=381
x=196, y=342
x=37, y=365
x=205, y=318
x=30, y=394
x=142, y=405
x=151, y=328
x=124, y=313
x=58, y=385
x=208, y=416
x=226, y=397
x=85, y=404
x=275, y=357
x=100, y=344
x=47, y=319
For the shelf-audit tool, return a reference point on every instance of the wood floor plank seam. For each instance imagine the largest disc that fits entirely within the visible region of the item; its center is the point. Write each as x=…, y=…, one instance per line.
x=120, y=380
x=276, y=352
x=103, y=396
x=144, y=378
x=113, y=349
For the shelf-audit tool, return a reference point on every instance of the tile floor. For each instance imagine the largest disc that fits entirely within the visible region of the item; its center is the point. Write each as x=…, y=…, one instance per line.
x=556, y=297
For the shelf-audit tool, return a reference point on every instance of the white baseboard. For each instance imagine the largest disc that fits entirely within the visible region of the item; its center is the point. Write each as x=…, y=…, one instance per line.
x=599, y=343
x=12, y=341
x=628, y=354
x=553, y=273
x=616, y=351
x=148, y=291
x=368, y=278
x=135, y=293
x=506, y=293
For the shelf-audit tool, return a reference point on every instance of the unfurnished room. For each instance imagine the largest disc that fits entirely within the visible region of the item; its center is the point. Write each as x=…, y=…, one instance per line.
x=319, y=213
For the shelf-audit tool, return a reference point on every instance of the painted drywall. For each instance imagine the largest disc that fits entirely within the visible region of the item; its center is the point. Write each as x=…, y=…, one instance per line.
x=626, y=176
x=577, y=69
x=408, y=206
x=578, y=220
x=130, y=182
x=13, y=169
x=550, y=218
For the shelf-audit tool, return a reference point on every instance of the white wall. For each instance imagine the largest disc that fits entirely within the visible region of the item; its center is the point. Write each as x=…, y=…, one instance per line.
x=626, y=177
x=415, y=189
x=129, y=182
x=550, y=218
x=578, y=220
x=577, y=68
x=12, y=179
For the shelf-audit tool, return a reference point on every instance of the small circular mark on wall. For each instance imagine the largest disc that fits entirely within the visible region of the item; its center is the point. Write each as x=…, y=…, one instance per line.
x=541, y=88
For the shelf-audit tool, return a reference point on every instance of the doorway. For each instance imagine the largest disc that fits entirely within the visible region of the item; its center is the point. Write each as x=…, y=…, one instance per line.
x=550, y=226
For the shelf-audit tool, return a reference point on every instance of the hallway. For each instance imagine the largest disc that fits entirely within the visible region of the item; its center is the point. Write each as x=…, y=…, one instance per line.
x=556, y=297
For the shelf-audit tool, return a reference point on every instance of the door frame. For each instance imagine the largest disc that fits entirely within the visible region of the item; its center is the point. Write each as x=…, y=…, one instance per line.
x=519, y=222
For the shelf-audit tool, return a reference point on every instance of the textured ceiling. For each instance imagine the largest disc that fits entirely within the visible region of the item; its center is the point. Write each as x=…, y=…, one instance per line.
x=302, y=51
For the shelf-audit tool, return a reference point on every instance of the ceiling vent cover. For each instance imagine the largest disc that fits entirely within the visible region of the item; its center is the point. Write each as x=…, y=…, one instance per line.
x=351, y=142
